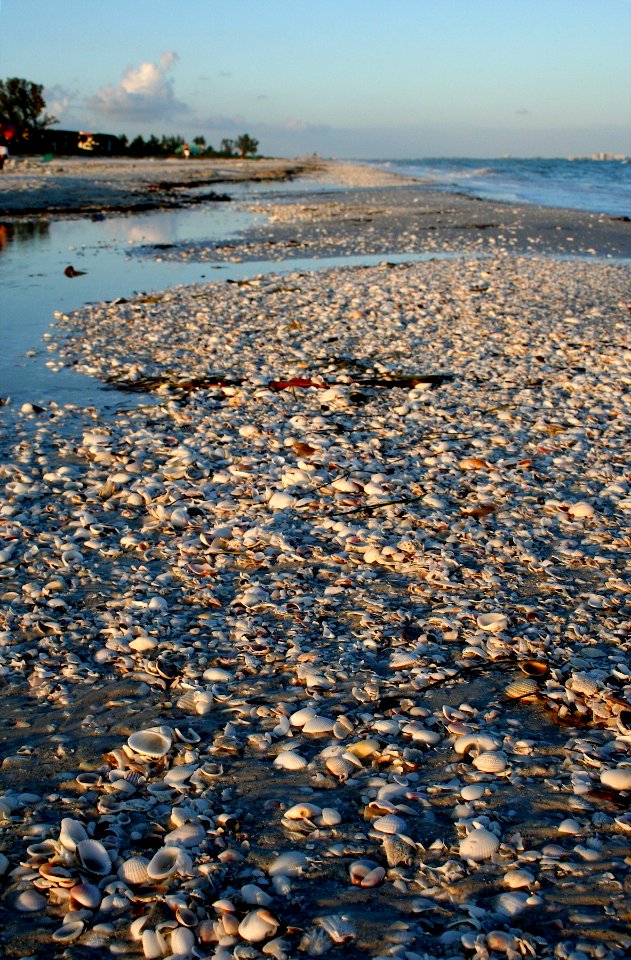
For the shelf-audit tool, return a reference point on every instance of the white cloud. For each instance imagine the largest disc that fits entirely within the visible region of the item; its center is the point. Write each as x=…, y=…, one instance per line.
x=145, y=94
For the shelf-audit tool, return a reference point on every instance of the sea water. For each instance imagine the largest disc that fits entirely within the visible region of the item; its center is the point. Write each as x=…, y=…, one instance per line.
x=600, y=186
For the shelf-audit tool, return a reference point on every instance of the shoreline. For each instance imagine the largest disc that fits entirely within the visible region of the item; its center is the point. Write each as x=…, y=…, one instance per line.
x=360, y=572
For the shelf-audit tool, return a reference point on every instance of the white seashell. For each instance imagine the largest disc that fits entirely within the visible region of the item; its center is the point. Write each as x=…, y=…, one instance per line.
x=512, y=903
x=69, y=931
x=359, y=869
x=188, y=834
x=514, y=879
x=569, y=826
x=134, y=871
x=501, y=941
x=581, y=510
x=329, y=817
x=182, y=942
x=473, y=791
x=281, y=501
x=71, y=833
x=492, y=622
x=87, y=895
x=300, y=717
x=421, y=734
x=618, y=778
x=253, y=895
x=302, y=811
x=390, y=823
x=150, y=743
x=93, y=857
x=137, y=926
x=523, y=687
x=29, y=901
x=583, y=683
x=490, y=761
x=289, y=760
x=252, y=597
x=475, y=743
x=401, y=660
x=318, y=725
x=153, y=945
x=339, y=767
x=164, y=863
x=290, y=864
x=258, y=925
x=478, y=845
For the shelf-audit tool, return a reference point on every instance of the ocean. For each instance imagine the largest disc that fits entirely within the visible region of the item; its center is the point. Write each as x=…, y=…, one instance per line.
x=601, y=186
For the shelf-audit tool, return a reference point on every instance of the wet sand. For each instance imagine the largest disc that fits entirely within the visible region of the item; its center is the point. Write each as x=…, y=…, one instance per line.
x=384, y=494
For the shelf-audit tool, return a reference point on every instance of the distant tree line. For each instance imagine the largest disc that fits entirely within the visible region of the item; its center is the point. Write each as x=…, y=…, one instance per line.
x=25, y=125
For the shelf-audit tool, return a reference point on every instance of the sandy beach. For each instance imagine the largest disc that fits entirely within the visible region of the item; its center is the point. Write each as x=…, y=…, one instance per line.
x=323, y=650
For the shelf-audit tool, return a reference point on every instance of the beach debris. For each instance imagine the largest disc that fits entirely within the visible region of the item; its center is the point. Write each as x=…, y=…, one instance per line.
x=71, y=272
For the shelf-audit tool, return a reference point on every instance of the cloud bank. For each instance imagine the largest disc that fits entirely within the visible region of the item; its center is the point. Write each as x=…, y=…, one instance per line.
x=145, y=94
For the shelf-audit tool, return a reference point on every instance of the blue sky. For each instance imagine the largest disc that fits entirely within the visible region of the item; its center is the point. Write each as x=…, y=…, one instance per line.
x=346, y=78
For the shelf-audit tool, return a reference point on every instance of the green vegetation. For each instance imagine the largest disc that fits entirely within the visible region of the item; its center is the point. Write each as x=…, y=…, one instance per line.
x=22, y=109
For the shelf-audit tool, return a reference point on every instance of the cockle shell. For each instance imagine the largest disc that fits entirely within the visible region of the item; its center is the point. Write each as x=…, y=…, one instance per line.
x=490, y=761
x=366, y=873
x=421, y=734
x=253, y=895
x=581, y=510
x=87, y=895
x=54, y=873
x=339, y=767
x=289, y=760
x=300, y=717
x=69, y=931
x=522, y=687
x=318, y=725
x=618, y=778
x=400, y=660
x=164, y=863
x=150, y=743
x=258, y=925
x=362, y=749
x=29, y=901
x=478, y=845
x=134, y=871
x=93, y=857
x=390, y=823
x=338, y=927
x=153, y=944
x=182, y=942
x=71, y=833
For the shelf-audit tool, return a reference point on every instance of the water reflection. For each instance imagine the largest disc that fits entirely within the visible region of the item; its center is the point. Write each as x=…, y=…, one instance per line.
x=32, y=231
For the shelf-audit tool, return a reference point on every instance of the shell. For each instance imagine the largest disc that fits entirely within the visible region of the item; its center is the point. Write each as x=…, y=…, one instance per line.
x=164, y=863
x=290, y=864
x=534, y=668
x=153, y=945
x=339, y=767
x=86, y=894
x=69, y=931
x=338, y=927
x=478, y=845
x=71, y=833
x=29, y=901
x=475, y=743
x=473, y=791
x=400, y=660
x=150, y=743
x=300, y=717
x=329, y=817
x=182, y=942
x=523, y=687
x=398, y=850
x=501, y=942
x=258, y=925
x=514, y=879
x=362, y=749
x=512, y=903
x=134, y=871
x=390, y=823
x=302, y=811
x=253, y=895
x=93, y=857
x=289, y=760
x=490, y=761
x=581, y=510
x=618, y=778
x=318, y=725
x=492, y=622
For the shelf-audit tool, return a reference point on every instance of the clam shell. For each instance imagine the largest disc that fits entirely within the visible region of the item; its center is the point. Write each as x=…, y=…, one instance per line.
x=581, y=510
x=258, y=925
x=339, y=767
x=501, y=941
x=318, y=725
x=153, y=945
x=93, y=857
x=302, y=811
x=492, y=622
x=164, y=863
x=490, y=761
x=618, y=778
x=478, y=845
x=300, y=717
x=30, y=901
x=472, y=791
x=390, y=823
x=534, y=668
x=522, y=687
x=514, y=879
x=359, y=869
x=86, y=894
x=71, y=833
x=150, y=743
x=69, y=931
x=362, y=749
x=289, y=760
x=293, y=863
x=474, y=743
x=182, y=942
x=253, y=895
x=134, y=871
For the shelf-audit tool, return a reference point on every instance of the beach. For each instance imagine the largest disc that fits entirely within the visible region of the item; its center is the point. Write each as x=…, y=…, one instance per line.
x=320, y=646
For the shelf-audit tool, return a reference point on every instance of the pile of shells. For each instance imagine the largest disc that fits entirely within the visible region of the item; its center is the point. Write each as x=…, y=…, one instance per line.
x=313, y=657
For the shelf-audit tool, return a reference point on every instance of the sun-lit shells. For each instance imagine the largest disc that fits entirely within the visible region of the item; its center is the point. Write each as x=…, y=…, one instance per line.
x=522, y=687
x=134, y=870
x=71, y=833
x=29, y=901
x=475, y=743
x=56, y=874
x=88, y=895
x=153, y=944
x=363, y=749
x=164, y=863
x=258, y=925
x=302, y=716
x=390, y=823
x=581, y=510
x=492, y=622
x=420, y=733
x=534, y=668
x=490, y=761
x=93, y=857
x=617, y=778
x=69, y=931
x=473, y=791
x=182, y=942
x=318, y=726
x=401, y=660
x=150, y=743
x=339, y=767
x=501, y=941
x=360, y=870
x=339, y=927
x=515, y=879
x=289, y=760
x=302, y=811
x=473, y=463
x=584, y=684
x=253, y=895
x=480, y=844
x=290, y=864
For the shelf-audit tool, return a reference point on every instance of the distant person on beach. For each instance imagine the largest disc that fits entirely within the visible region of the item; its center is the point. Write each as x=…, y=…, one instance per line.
x=4, y=155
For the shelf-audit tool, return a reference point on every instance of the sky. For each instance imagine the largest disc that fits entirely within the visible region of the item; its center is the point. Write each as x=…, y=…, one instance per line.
x=342, y=78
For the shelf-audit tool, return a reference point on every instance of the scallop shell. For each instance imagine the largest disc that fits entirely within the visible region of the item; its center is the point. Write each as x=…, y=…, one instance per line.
x=492, y=622
x=581, y=510
x=258, y=925
x=584, y=684
x=523, y=687
x=402, y=661
x=134, y=871
x=93, y=857
x=150, y=743
x=289, y=760
x=362, y=749
x=339, y=767
x=490, y=761
x=164, y=863
x=390, y=823
x=534, y=668
x=618, y=778
x=478, y=845
x=318, y=725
